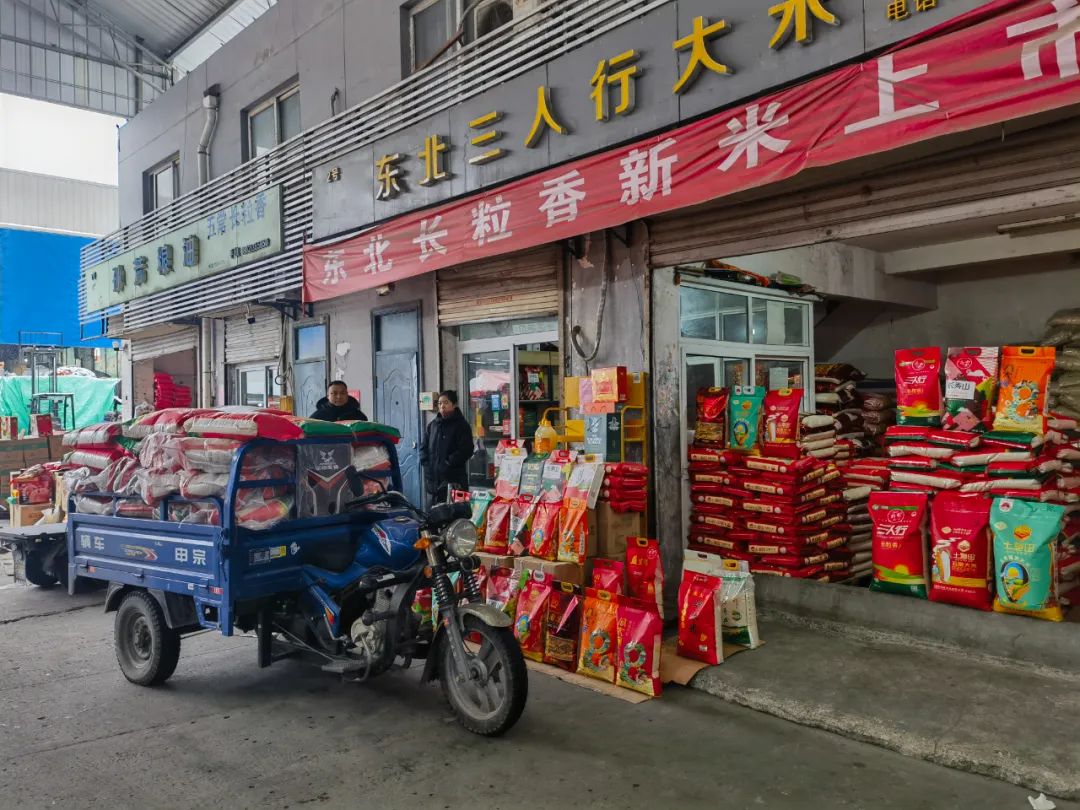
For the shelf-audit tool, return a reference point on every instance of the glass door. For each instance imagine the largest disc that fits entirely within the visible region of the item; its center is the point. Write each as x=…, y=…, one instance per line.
x=703, y=371
x=487, y=406
x=538, y=386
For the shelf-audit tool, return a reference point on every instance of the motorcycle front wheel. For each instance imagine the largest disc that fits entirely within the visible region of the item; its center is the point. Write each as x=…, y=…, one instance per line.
x=490, y=697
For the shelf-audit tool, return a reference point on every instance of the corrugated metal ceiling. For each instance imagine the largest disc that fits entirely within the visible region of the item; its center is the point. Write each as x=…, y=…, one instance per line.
x=164, y=25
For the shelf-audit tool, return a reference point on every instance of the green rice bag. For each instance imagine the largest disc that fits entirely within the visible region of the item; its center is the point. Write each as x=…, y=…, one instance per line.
x=1025, y=562
x=745, y=409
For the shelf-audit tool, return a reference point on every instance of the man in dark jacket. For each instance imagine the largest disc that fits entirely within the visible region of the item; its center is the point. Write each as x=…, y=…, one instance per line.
x=447, y=447
x=338, y=406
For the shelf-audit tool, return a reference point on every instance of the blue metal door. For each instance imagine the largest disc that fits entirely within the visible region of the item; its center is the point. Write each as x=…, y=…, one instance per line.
x=397, y=389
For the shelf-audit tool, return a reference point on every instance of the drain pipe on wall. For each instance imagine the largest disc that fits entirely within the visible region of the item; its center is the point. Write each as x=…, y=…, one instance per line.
x=211, y=103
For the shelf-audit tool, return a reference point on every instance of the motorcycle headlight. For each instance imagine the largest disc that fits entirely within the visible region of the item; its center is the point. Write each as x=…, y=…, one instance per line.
x=460, y=538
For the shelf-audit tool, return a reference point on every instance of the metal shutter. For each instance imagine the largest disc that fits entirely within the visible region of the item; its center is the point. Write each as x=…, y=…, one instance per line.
x=249, y=342
x=148, y=348
x=520, y=285
x=906, y=196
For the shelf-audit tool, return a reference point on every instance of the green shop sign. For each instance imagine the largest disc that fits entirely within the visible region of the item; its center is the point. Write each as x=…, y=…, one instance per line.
x=237, y=234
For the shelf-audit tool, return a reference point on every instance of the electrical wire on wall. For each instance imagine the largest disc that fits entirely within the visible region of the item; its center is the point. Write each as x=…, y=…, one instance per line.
x=576, y=331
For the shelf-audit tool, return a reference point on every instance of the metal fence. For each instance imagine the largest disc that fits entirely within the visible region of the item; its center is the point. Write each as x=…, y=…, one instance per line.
x=529, y=42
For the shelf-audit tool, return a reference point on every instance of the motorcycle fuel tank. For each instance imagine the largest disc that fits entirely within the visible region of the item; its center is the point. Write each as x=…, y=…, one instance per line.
x=388, y=543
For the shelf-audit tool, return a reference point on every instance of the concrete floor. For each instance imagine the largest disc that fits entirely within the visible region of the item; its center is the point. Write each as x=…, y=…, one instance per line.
x=223, y=733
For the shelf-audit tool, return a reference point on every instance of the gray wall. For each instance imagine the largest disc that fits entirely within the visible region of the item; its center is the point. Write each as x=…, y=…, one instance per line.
x=351, y=45
x=979, y=306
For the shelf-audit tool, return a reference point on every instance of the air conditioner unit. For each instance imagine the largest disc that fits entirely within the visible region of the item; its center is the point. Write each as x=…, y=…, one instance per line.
x=489, y=15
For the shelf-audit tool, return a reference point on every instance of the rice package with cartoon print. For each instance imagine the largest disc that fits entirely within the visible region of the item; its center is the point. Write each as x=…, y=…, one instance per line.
x=544, y=534
x=899, y=543
x=598, y=640
x=1022, y=390
x=563, y=625
x=1025, y=561
x=640, y=632
x=970, y=385
x=745, y=410
x=701, y=617
x=960, y=551
x=532, y=613
x=782, y=425
x=918, y=386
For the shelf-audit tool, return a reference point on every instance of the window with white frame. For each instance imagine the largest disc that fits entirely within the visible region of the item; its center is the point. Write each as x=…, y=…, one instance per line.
x=273, y=121
x=161, y=184
x=430, y=23
x=731, y=334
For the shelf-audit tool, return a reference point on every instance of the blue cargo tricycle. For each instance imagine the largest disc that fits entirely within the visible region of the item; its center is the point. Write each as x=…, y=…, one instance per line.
x=336, y=580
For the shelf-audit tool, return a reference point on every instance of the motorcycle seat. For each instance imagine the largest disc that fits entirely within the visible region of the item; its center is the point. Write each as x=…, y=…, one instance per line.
x=335, y=581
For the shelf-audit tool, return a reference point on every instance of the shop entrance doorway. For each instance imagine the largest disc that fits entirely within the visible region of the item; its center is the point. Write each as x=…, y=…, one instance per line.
x=397, y=387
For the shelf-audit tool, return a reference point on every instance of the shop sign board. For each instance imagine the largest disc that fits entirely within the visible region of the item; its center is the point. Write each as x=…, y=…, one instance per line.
x=235, y=235
x=1005, y=60
x=672, y=64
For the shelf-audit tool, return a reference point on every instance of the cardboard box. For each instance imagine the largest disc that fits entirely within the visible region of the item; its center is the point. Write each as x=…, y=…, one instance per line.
x=612, y=529
x=562, y=572
x=56, y=447
x=23, y=515
x=35, y=451
x=490, y=561
x=41, y=424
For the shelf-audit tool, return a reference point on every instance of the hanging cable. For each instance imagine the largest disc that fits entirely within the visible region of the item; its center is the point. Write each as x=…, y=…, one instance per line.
x=576, y=331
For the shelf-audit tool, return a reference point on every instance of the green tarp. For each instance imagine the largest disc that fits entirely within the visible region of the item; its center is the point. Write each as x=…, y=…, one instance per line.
x=93, y=398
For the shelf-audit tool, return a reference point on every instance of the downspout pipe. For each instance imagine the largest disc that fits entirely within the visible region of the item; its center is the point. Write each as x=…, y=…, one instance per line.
x=210, y=105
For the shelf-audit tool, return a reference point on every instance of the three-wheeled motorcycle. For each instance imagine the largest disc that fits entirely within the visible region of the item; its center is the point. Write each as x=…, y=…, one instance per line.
x=336, y=581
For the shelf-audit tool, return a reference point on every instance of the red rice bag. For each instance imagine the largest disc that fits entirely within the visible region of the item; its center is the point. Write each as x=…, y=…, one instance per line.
x=805, y=572
x=640, y=631
x=957, y=439
x=544, y=537
x=782, y=425
x=938, y=479
x=563, y=626
x=917, y=463
x=264, y=511
x=720, y=479
x=899, y=550
x=801, y=559
x=100, y=436
x=607, y=575
x=712, y=406
x=531, y=613
x=961, y=548
x=253, y=424
x=924, y=449
x=711, y=456
x=497, y=530
x=626, y=469
x=645, y=571
x=698, y=538
x=701, y=617
x=504, y=585
x=166, y=420
x=714, y=522
x=1025, y=378
x=907, y=433
x=598, y=641
x=94, y=459
x=918, y=386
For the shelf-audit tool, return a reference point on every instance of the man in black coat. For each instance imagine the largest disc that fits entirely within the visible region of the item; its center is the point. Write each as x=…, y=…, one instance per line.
x=447, y=447
x=338, y=406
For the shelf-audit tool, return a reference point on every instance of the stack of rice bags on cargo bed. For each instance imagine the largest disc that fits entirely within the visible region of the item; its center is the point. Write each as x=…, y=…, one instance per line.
x=97, y=459
x=759, y=497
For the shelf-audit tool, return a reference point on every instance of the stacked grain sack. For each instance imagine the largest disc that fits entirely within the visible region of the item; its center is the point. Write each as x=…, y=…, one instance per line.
x=1063, y=333
x=835, y=396
x=878, y=415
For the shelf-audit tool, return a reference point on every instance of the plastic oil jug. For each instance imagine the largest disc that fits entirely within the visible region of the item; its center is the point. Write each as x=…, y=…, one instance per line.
x=545, y=438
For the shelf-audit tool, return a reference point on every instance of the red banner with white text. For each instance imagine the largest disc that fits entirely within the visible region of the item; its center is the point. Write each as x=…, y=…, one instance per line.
x=1008, y=59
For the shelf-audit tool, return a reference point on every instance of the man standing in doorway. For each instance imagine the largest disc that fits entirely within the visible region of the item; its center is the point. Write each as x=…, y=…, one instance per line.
x=447, y=447
x=338, y=405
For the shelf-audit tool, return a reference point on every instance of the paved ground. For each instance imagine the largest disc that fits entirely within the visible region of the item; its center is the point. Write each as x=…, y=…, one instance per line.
x=223, y=733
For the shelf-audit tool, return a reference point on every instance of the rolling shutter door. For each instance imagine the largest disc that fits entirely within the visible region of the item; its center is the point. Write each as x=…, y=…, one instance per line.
x=250, y=342
x=149, y=348
x=520, y=285
x=973, y=179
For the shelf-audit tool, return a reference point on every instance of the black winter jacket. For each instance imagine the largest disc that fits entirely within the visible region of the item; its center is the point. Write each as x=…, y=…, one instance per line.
x=339, y=413
x=447, y=448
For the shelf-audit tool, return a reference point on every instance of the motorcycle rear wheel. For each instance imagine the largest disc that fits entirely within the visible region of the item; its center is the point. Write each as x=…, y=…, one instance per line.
x=492, y=708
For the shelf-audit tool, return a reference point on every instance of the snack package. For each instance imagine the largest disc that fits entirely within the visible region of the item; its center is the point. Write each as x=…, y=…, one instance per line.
x=640, y=631
x=573, y=532
x=531, y=614
x=701, y=617
x=509, y=477
x=607, y=575
x=544, y=535
x=480, y=500
x=563, y=626
x=597, y=644
x=712, y=409
x=782, y=425
x=740, y=610
x=1022, y=398
x=970, y=385
x=1025, y=560
x=899, y=542
x=744, y=419
x=918, y=386
x=960, y=551
x=504, y=586
x=645, y=571
x=497, y=527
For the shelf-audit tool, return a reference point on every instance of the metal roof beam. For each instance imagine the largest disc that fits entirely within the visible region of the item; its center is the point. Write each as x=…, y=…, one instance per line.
x=102, y=20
